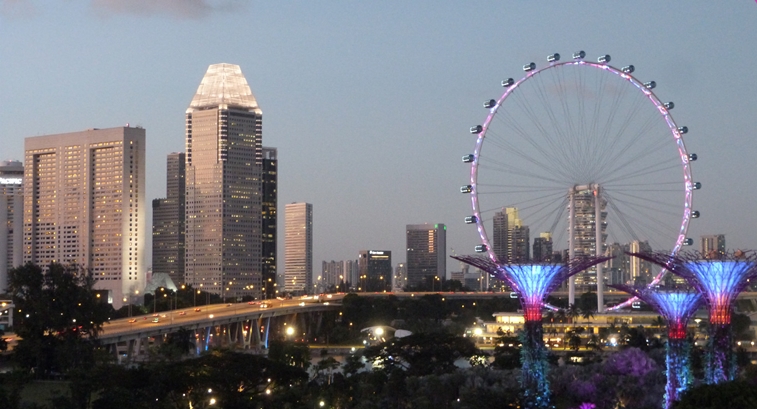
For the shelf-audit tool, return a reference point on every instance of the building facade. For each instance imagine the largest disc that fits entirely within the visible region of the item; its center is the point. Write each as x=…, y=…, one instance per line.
x=168, y=222
x=375, y=270
x=11, y=218
x=543, y=247
x=584, y=234
x=511, y=238
x=298, y=248
x=712, y=242
x=268, y=230
x=84, y=204
x=426, y=254
x=224, y=158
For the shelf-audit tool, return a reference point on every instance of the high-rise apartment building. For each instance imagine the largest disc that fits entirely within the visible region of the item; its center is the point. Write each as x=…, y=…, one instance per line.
x=332, y=274
x=11, y=218
x=350, y=271
x=375, y=270
x=426, y=253
x=268, y=230
x=168, y=222
x=84, y=204
x=298, y=248
x=399, y=282
x=543, y=247
x=499, y=236
x=712, y=242
x=518, y=238
x=511, y=237
x=584, y=236
x=224, y=158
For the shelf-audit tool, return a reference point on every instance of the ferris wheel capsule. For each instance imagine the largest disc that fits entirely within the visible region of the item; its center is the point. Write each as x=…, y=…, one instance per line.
x=604, y=59
x=692, y=156
x=579, y=55
x=476, y=129
x=697, y=185
x=683, y=129
x=628, y=69
x=529, y=67
x=553, y=57
x=490, y=104
x=669, y=105
x=508, y=82
x=468, y=158
x=695, y=214
x=688, y=241
x=466, y=189
x=650, y=85
x=481, y=248
x=471, y=219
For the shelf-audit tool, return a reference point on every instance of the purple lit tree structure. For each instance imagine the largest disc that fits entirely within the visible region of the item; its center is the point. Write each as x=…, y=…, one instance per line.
x=533, y=283
x=677, y=306
x=719, y=277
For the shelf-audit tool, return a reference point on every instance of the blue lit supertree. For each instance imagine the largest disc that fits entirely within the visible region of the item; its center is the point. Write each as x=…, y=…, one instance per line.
x=677, y=306
x=533, y=283
x=719, y=277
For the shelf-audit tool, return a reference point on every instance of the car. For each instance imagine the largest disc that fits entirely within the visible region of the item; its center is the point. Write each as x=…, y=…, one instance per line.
x=162, y=315
x=302, y=304
x=156, y=320
x=155, y=315
x=183, y=313
x=251, y=303
x=198, y=309
x=133, y=320
x=228, y=305
x=263, y=305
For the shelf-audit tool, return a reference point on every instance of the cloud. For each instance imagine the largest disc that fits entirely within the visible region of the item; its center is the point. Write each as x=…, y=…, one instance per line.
x=182, y=9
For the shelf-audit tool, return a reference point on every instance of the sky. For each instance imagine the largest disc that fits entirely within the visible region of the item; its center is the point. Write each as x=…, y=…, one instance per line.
x=369, y=103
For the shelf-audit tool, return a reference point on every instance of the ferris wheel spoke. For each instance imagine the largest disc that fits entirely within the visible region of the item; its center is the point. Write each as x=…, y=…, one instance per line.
x=559, y=143
x=659, y=167
x=505, y=168
x=638, y=200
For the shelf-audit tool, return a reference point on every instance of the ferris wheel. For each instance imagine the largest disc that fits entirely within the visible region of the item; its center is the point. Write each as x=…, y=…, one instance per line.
x=574, y=145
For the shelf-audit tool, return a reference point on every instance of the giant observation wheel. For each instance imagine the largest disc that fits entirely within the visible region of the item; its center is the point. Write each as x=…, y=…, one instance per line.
x=577, y=144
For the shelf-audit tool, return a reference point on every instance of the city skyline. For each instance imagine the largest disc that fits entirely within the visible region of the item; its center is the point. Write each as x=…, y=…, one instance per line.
x=347, y=105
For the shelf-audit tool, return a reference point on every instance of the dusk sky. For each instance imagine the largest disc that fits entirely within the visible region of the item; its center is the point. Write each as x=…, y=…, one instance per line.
x=369, y=103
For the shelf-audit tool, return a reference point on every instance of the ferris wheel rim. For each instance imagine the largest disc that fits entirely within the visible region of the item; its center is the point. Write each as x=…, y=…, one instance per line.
x=664, y=113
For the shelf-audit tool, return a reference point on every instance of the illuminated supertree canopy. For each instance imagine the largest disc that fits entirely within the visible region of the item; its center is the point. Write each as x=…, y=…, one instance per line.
x=677, y=306
x=533, y=283
x=719, y=277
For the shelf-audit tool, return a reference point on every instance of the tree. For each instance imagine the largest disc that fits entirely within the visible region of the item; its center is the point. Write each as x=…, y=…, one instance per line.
x=731, y=395
x=421, y=354
x=58, y=318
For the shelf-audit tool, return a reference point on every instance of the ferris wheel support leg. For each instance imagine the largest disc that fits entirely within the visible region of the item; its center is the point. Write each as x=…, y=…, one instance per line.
x=571, y=246
x=598, y=247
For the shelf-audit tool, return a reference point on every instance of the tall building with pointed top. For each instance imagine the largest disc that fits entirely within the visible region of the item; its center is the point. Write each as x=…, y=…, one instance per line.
x=224, y=158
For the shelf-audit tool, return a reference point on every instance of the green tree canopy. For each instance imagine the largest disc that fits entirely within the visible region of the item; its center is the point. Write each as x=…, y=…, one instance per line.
x=58, y=316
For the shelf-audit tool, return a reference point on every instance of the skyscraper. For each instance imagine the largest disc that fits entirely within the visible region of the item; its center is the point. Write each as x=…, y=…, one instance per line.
x=426, y=253
x=268, y=230
x=584, y=235
x=11, y=218
x=499, y=236
x=511, y=237
x=375, y=270
x=712, y=242
x=518, y=237
x=84, y=203
x=168, y=222
x=223, y=203
x=298, y=248
x=543, y=247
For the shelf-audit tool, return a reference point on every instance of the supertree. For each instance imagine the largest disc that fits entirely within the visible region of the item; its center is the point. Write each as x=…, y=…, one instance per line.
x=719, y=277
x=677, y=306
x=533, y=283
